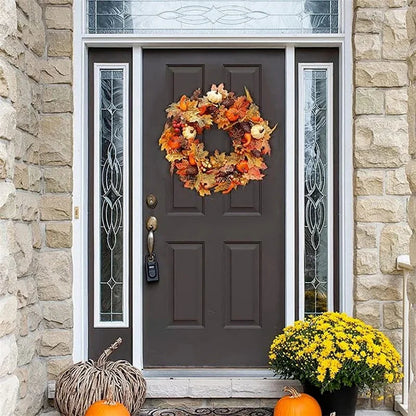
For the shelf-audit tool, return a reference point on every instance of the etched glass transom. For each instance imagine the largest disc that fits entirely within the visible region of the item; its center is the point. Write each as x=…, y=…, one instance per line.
x=111, y=156
x=227, y=17
x=316, y=269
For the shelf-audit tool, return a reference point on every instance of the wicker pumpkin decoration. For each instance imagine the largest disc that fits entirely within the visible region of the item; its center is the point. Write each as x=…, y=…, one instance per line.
x=297, y=404
x=85, y=383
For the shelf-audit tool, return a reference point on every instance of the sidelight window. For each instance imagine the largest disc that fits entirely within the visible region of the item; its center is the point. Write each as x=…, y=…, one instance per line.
x=315, y=174
x=227, y=17
x=110, y=204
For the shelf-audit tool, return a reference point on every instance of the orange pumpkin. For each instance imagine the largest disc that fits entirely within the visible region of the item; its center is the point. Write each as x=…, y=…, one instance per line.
x=232, y=114
x=107, y=408
x=297, y=404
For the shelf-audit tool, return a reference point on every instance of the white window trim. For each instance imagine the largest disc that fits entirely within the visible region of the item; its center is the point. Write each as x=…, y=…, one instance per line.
x=80, y=166
x=98, y=67
x=301, y=180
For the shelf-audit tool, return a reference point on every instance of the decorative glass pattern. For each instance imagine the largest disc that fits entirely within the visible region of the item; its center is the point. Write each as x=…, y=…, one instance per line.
x=316, y=269
x=111, y=194
x=227, y=17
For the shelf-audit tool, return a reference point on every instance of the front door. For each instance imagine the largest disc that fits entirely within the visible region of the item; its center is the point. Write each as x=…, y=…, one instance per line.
x=221, y=294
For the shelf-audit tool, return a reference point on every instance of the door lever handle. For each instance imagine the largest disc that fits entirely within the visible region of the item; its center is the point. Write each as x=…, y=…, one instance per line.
x=150, y=242
x=150, y=262
x=151, y=225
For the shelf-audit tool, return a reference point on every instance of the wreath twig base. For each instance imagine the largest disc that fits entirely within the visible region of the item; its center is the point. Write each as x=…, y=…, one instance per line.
x=218, y=172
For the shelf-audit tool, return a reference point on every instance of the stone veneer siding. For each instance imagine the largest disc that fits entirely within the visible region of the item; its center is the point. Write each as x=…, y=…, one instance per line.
x=35, y=200
x=381, y=140
x=411, y=174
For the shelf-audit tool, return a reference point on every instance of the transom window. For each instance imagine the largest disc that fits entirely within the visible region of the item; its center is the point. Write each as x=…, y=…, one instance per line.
x=227, y=17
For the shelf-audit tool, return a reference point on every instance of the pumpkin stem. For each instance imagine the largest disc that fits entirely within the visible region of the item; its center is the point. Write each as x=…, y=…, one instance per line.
x=104, y=356
x=293, y=392
x=110, y=396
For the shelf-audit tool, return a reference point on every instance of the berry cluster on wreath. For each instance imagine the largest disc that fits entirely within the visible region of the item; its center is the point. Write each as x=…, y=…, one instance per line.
x=239, y=116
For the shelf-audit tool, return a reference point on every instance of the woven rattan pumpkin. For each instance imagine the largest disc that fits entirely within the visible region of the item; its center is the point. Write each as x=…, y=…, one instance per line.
x=87, y=382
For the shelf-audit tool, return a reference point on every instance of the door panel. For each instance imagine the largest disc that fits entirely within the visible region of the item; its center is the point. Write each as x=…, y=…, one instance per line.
x=220, y=298
x=243, y=277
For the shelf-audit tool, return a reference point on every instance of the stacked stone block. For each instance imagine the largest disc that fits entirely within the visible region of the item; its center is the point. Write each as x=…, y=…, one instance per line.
x=35, y=200
x=381, y=141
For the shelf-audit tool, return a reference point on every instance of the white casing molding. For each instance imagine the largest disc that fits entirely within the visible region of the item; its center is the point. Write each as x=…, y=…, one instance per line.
x=80, y=196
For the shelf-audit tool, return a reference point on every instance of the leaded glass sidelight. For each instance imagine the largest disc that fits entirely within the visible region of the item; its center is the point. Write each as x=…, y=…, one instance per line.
x=224, y=17
x=110, y=207
x=315, y=173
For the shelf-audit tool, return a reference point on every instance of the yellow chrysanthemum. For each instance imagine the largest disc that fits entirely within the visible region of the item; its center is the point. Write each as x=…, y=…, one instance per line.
x=320, y=349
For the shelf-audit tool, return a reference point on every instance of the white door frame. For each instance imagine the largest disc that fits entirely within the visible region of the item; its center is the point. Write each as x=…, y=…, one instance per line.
x=80, y=164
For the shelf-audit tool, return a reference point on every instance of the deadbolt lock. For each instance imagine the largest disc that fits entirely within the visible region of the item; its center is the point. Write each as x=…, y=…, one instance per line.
x=151, y=201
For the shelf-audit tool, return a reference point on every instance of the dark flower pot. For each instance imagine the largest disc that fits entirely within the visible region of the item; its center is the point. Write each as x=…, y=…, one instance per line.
x=341, y=401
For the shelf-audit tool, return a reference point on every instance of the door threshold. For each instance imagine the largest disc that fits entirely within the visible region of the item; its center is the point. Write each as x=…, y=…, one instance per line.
x=214, y=384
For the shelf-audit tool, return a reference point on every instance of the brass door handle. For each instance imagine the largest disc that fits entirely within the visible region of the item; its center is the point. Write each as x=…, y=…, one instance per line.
x=151, y=225
x=150, y=242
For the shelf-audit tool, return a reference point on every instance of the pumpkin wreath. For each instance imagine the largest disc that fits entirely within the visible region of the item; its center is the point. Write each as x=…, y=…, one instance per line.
x=219, y=172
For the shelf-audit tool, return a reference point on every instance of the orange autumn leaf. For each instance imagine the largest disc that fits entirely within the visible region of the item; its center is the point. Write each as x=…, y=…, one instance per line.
x=255, y=174
x=181, y=167
x=230, y=188
x=182, y=103
x=192, y=160
x=241, y=104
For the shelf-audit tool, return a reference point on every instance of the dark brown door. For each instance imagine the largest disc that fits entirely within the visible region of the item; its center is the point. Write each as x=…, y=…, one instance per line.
x=220, y=298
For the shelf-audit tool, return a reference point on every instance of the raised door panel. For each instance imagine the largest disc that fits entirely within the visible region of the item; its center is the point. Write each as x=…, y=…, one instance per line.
x=188, y=296
x=243, y=281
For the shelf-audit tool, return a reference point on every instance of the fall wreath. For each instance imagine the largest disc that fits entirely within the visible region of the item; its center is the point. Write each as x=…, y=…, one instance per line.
x=239, y=117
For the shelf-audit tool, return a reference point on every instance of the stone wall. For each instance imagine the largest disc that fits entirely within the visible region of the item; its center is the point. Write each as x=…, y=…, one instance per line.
x=411, y=173
x=381, y=139
x=35, y=200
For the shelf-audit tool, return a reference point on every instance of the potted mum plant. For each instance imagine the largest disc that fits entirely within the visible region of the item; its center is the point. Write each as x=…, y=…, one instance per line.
x=334, y=355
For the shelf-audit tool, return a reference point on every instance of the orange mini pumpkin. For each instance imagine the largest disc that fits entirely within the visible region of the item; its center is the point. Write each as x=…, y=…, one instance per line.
x=232, y=114
x=107, y=408
x=297, y=404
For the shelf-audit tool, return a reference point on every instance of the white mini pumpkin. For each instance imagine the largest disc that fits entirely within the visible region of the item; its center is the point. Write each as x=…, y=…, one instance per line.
x=214, y=97
x=189, y=133
x=258, y=131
